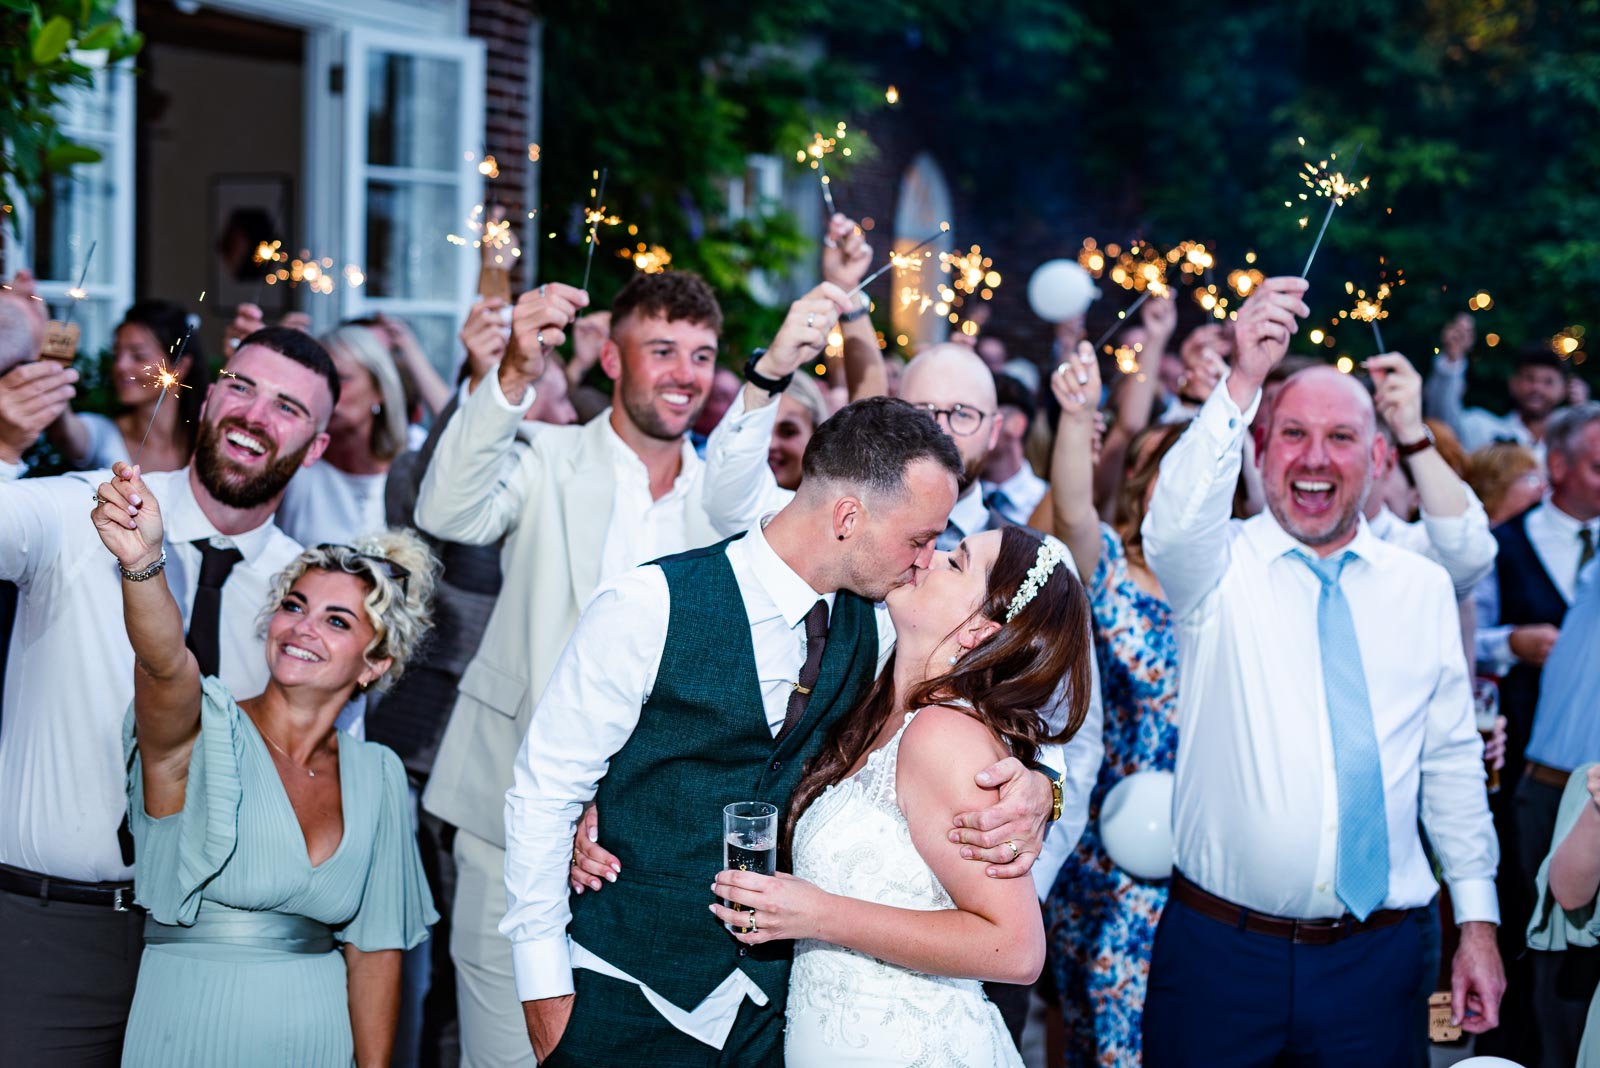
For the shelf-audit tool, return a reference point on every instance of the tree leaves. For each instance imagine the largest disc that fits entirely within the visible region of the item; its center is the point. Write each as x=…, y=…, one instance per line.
x=51, y=40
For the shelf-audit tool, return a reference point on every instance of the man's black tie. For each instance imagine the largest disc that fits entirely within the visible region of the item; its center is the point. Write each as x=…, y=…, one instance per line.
x=206, y=617
x=1585, y=548
x=816, y=641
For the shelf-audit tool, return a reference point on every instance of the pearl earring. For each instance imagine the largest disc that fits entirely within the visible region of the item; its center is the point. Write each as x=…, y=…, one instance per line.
x=953, y=660
x=377, y=409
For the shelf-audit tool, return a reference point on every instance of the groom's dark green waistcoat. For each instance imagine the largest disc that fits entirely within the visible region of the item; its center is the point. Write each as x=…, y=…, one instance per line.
x=702, y=743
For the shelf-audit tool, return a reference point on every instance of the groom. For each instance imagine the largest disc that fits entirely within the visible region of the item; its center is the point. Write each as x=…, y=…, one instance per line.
x=677, y=696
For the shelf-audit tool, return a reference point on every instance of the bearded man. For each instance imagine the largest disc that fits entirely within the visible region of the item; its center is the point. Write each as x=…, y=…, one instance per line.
x=69, y=930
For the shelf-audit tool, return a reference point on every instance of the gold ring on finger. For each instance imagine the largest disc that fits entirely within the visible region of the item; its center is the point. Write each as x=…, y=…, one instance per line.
x=1016, y=850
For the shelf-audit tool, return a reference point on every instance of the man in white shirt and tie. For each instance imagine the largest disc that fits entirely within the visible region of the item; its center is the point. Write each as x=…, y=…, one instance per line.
x=1009, y=485
x=1324, y=698
x=69, y=935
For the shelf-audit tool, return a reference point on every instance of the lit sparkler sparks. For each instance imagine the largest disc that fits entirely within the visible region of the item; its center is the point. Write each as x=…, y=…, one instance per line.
x=1325, y=182
x=1369, y=309
x=650, y=259
x=313, y=272
x=904, y=261
x=822, y=145
x=77, y=292
x=165, y=378
x=594, y=217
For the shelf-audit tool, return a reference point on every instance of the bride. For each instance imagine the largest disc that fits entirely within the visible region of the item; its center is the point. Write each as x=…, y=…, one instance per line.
x=895, y=932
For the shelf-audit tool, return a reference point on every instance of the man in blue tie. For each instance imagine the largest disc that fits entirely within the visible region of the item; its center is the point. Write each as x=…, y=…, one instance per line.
x=1325, y=705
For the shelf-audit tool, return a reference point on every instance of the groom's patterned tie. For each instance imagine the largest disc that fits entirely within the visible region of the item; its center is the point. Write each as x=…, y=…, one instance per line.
x=1361, y=878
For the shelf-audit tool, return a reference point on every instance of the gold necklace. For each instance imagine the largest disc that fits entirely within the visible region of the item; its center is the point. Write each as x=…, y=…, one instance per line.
x=286, y=756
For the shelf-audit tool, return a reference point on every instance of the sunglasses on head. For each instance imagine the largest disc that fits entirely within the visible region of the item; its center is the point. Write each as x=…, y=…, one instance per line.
x=381, y=564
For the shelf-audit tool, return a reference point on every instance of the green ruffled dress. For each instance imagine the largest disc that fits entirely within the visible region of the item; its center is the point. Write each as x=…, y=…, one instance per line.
x=239, y=975
x=1554, y=928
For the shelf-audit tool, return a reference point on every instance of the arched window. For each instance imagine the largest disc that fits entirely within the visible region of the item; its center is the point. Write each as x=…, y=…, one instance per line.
x=923, y=203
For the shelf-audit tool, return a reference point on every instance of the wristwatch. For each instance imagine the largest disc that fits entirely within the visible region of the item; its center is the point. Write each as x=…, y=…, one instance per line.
x=773, y=386
x=856, y=313
x=1412, y=448
x=1055, y=788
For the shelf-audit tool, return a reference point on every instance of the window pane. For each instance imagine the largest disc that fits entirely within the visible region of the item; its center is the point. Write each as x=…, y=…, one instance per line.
x=436, y=334
x=91, y=110
x=407, y=252
x=413, y=111
x=75, y=211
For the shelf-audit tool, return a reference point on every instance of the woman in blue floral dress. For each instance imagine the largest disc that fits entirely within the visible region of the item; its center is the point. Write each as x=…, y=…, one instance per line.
x=1100, y=920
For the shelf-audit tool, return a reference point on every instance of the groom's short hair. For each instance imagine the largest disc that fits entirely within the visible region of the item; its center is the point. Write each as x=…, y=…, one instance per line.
x=871, y=443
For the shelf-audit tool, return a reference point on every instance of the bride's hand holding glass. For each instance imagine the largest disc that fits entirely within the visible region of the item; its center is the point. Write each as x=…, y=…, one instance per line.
x=784, y=906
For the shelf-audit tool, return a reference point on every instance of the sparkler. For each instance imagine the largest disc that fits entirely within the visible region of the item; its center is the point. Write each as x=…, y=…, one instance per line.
x=77, y=292
x=1331, y=184
x=1370, y=309
x=1122, y=317
x=165, y=379
x=819, y=147
x=596, y=215
x=903, y=260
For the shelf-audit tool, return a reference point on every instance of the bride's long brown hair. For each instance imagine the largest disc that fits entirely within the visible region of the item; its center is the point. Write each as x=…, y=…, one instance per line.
x=1006, y=679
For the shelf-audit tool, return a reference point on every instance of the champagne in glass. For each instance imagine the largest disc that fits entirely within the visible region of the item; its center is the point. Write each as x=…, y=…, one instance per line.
x=1486, y=711
x=749, y=842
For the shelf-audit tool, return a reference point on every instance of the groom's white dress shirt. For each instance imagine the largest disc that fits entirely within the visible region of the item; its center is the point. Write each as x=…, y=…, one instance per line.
x=592, y=705
x=740, y=487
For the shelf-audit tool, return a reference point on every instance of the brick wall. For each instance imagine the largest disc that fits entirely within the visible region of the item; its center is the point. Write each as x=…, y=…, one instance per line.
x=505, y=26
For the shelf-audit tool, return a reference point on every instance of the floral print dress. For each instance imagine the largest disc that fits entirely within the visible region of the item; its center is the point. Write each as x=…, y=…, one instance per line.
x=1101, y=921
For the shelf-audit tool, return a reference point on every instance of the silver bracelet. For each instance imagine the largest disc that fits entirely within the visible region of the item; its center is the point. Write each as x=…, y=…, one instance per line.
x=145, y=572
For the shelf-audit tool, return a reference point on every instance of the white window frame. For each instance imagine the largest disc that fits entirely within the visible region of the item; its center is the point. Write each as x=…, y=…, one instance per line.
x=360, y=43
x=115, y=245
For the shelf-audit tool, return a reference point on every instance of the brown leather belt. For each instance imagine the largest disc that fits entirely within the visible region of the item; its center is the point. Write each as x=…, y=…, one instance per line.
x=1545, y=775
x=1300, y=932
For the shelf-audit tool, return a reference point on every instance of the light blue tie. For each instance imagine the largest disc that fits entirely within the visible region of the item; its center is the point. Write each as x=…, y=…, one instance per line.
x=1362, y=877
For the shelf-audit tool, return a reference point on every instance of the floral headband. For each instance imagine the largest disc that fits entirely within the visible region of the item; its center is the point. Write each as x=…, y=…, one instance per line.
x=1052, y=554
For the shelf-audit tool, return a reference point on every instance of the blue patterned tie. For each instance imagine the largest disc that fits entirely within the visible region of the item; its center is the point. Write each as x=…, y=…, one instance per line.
x=1362, y=877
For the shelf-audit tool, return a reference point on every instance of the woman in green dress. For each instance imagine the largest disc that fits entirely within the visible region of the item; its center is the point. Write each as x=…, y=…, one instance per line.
x=275, y=855
x=1569, y=883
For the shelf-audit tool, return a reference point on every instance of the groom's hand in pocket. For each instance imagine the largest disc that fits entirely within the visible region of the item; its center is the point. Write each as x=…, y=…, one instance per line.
x=590, y=863
x=1018, y=819
x=547, y=1021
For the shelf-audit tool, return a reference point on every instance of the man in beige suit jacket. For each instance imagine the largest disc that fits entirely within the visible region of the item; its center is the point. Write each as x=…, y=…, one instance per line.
x=576, y=506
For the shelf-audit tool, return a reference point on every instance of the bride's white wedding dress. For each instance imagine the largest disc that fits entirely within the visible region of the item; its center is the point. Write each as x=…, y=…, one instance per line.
x=846, y=1008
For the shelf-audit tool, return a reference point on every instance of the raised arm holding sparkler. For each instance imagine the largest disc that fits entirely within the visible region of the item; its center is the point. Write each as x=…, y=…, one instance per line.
x=845, y=259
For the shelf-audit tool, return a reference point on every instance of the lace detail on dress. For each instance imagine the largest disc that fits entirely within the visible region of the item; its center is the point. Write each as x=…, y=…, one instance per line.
x=848, y=1008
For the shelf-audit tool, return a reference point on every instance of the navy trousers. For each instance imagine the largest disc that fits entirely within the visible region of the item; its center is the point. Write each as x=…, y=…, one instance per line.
x=1221, y=997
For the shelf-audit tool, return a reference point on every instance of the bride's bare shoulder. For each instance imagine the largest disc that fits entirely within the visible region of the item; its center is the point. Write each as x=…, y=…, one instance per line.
x=949, y=741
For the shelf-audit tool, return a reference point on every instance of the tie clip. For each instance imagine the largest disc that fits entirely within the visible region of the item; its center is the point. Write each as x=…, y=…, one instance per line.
x=803, y=689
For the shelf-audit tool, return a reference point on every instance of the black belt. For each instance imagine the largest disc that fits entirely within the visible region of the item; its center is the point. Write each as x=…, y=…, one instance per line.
x=118, y=896
x=1300, y=932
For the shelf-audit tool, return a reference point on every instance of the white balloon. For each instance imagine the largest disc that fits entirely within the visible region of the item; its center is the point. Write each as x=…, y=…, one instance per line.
x=1060, y=290
x=1487, y=1062
x=1136, y=824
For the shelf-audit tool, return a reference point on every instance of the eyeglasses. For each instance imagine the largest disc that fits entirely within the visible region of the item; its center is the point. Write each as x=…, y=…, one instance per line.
x=382, y=564
x=961, y=420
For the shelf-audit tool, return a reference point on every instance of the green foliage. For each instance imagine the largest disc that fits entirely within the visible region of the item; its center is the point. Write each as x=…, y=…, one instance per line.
x=1479, y=121
x=48, y=48
x=672, y=99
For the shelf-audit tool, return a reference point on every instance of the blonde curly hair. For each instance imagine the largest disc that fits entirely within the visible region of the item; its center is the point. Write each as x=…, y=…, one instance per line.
x=400, y=612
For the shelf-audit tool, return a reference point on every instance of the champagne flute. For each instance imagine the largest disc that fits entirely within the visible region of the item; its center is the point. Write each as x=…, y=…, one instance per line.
x=749, y=843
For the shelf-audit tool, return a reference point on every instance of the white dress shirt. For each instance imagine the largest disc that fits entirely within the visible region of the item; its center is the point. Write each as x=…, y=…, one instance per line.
x=69, y=675
x=654, y=527
x=587, y=714
x=1256, y=809
x=740, y=488
x=1476, y=427
x=1461, y=544
x=324, y=504
x=1024, y=490
x=1555, y=537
